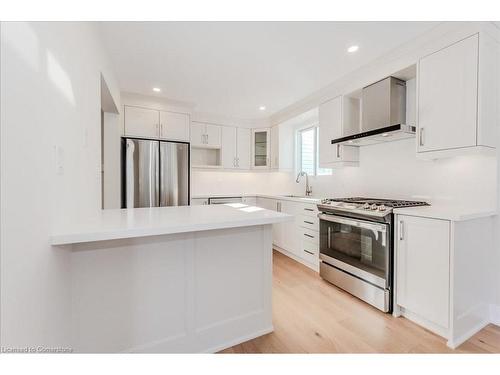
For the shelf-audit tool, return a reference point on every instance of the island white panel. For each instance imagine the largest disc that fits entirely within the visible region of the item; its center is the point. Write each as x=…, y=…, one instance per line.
x=181, y=293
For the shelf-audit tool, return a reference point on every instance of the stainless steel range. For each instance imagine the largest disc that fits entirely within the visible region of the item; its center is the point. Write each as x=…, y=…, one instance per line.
x=356, y=246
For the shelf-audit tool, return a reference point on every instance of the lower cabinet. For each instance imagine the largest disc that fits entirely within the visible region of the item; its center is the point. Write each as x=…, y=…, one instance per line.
x=423, y=271
x=299, y=238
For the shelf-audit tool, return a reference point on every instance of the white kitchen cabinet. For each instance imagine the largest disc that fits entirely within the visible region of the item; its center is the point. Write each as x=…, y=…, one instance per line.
x=423, y=270
x=331, y=127
x=141, y=122
x=251, y=201
x=174, y=126
x=295, y=239
x=235, y=148
x=261, y=147
x=457, y=87
x=199, y=201
x=228, y=148
x=243, y=139
x=275, y=146
x=198, y=131
x=282, y=147
x=205, y=135
x=213, y=135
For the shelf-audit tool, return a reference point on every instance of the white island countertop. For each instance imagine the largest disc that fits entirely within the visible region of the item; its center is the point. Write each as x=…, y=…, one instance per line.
x=141, y=222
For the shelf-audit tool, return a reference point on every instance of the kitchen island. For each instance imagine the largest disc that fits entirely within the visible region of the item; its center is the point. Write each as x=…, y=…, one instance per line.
x=171, y=279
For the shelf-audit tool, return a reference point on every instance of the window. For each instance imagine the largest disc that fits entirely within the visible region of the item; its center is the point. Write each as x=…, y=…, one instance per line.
x=307, y=145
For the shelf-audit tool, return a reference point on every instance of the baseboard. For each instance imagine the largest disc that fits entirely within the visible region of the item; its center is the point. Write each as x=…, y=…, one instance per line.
x=495, y=314
x=239, y=340
x=296, y=258
x=456, y=342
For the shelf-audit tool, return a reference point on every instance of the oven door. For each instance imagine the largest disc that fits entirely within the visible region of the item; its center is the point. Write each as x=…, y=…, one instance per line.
x=358, y=247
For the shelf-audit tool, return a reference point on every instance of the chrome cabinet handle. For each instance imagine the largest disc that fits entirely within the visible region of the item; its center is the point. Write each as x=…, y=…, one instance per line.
x=309, y=252
x=421, y=137
x=308, y=235
x=338, y=151
x=308, y=222
x=401, y=230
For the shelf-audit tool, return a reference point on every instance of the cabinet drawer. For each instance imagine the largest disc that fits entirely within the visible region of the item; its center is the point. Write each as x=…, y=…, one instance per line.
x=309, y=251
x=310, y=210
x=310, y=235
x=309, y=222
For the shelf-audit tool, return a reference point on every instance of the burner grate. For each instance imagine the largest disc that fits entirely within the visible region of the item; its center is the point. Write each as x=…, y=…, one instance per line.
x=394, y=203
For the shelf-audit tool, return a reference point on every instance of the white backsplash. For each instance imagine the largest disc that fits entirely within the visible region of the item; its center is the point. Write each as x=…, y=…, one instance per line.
x=389, y=170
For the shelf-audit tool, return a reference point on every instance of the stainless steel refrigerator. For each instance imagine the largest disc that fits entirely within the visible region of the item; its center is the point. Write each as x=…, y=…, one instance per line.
x=154, y=173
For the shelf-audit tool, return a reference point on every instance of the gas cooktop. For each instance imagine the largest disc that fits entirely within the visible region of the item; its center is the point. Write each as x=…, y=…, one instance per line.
x=368, y=206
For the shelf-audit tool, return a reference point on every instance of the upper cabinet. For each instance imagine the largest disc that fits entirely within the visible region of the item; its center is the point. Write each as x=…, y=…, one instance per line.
x=206, y=140
x=205, y=135
x=235, y=148
x=457, y=98
x=282, y=147
x=141, y=122
x=331, y=126
x=243, y=139
x=261, y=147
x=174, y=126
x=151, y=123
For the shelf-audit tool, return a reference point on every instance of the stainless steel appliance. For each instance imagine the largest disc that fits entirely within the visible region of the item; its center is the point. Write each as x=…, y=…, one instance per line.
x=223, y=200
x=356, y=246
x=154, y=173
x=383, y=106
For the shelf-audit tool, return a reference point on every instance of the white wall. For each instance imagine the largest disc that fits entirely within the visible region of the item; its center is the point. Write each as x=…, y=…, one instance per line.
x=389, y=170
x=50, y=96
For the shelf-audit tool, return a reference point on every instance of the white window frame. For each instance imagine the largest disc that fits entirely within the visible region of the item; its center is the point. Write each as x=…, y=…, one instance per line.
x=298, y=147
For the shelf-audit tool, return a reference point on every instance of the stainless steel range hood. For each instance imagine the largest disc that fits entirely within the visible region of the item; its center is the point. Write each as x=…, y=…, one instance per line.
x=383, y=115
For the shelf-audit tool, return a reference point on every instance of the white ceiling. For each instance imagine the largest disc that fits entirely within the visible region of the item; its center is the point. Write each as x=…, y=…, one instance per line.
x=231, y=68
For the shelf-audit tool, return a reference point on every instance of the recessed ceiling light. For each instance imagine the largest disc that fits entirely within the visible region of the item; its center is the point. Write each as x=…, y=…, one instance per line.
x=352, y=49
x=262, y=108
x=156, y=89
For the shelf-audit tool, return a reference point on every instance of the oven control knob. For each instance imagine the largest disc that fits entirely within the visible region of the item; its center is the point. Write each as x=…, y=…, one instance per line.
x=374, y=207
x=366, y=206
x=382, y=207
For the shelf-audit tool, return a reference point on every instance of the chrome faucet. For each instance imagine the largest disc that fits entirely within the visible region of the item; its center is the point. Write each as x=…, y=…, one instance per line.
x=308, y=187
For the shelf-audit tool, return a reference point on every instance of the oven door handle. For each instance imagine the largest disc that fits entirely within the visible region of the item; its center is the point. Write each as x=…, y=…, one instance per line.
x=354, y=223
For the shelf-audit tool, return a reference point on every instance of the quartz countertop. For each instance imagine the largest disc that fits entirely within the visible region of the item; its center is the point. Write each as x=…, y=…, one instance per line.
x=446, y=212
x=141, y=222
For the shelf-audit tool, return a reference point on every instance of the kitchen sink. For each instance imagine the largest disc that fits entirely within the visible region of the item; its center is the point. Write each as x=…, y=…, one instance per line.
x=301, y=197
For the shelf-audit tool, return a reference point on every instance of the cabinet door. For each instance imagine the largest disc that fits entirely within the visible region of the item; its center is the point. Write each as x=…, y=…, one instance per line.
x=243, y=140
x=260, y=149
x=141, y=122
x=447, y=97
x=423, y=267
x=330, y=127
x=213, y=135
x=174, y=126
x=199, y=201
x=228, y=147
x=275, y=147
x=279, y=229
x=198, y=133
x=291, y=230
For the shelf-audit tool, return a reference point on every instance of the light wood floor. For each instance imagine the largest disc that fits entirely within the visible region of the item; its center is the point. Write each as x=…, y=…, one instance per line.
x=312, y=316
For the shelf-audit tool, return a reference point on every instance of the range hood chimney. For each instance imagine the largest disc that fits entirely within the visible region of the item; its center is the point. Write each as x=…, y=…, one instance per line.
x=383, y=114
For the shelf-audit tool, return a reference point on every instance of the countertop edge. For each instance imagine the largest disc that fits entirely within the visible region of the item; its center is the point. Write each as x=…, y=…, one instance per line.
x=442, y=214
x=127, y=233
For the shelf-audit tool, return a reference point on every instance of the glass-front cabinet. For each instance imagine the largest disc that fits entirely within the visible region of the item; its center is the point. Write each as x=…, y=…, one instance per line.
x=261, y=147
